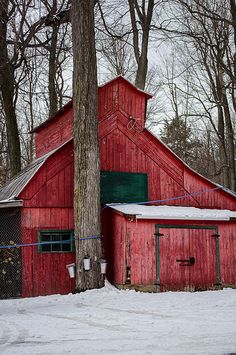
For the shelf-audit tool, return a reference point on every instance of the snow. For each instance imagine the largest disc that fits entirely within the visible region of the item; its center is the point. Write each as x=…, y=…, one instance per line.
x=174, y=212
x=109, y=321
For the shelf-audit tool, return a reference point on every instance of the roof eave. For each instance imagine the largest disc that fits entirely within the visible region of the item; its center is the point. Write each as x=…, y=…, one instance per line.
x=184, y=218
x=11, y=203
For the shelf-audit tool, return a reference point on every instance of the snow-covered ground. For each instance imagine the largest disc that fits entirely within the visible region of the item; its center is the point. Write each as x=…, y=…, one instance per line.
x=108, y=321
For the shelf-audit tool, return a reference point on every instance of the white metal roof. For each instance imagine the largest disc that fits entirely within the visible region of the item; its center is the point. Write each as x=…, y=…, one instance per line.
x=174, y=212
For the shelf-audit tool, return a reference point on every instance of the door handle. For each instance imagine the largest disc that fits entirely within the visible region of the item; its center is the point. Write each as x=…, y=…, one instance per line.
x=190, y=261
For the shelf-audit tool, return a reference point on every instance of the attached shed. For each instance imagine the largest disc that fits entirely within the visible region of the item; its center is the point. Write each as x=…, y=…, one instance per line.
x=191, y=244
x=160, y=248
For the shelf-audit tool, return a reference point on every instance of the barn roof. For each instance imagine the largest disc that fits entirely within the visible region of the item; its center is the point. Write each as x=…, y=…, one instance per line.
x=11, y=190
x=14, y=186
x=174, y=212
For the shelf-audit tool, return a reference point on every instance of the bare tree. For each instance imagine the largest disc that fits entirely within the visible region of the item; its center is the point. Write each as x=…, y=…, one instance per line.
x=141, y=17
x=116, y=56
x=4, y=163
x=7, y=90
x=135, y=22
x=57, y=47
x=16, y=35
x=205, y=33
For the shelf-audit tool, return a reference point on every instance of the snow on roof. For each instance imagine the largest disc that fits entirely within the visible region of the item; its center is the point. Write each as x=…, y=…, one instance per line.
x=174, y=212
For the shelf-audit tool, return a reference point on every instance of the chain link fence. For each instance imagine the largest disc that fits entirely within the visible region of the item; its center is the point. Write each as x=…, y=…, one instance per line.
x=10, y=259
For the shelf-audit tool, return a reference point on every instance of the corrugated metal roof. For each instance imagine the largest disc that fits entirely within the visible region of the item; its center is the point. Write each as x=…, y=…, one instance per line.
x=14, y=186
x=11, y=203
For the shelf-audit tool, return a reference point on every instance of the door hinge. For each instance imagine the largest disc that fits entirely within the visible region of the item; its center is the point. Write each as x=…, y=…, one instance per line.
x=216, y=235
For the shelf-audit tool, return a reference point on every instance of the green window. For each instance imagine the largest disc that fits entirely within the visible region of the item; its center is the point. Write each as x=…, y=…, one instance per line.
x=121, y=187
x=59, y=241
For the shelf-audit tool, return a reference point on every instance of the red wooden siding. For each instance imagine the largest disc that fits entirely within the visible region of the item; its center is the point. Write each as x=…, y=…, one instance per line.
x=123, y=96
x=133, y=244
x=56, y=132
x=129, y=244
x=126, y=149
x=48, y=204
x=113, y=249
x=180, y=244
x=228, y=252
x=44, y=274
x=52, y=186
x=118, y=95
x=48, y=200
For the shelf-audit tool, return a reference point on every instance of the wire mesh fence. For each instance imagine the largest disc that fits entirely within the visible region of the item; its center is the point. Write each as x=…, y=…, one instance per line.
x=10, y=259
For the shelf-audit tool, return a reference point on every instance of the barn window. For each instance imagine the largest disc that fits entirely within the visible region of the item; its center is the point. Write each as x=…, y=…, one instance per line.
x=122, y=187
x=55, y=241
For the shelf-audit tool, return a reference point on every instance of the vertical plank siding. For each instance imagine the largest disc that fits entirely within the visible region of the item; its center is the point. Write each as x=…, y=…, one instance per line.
x=133, y=244
x=48, y=204
x=45, y=274
x=55, y=133
x=228, y=252
x=124, y=147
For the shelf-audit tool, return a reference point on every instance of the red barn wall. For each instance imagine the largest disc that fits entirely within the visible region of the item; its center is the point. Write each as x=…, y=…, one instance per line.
x=125, y=147
x=122, y=149
x=133, y=244
x=114, y=96
x=48, y=198
x=120, y=95
x=56, y=132
x=228, y=252
x=48, y=204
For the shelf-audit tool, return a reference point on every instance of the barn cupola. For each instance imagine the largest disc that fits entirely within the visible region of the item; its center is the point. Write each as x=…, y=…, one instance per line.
x=117, y=95
x=120, y=95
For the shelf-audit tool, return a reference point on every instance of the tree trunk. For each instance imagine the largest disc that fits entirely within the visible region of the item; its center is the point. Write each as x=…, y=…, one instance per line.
x=144, y=18
x=141, y=73
x=52, y=72
x=224, y=168
x=230, y=142
x=7, y=91
x=229, y=134
x=86, y=147
x=53, y=66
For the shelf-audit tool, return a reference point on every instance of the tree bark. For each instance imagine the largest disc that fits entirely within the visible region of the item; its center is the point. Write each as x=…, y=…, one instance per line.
x=86, y=147
x=52, y=73
x=141, y=54
x=230, y=143
x=7, y=91
x=52, y=66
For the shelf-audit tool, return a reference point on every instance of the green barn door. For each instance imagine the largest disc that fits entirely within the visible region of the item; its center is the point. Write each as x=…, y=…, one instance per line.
x=120, y=187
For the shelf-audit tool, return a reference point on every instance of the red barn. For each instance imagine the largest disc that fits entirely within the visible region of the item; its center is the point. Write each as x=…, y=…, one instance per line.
x=184, y=239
